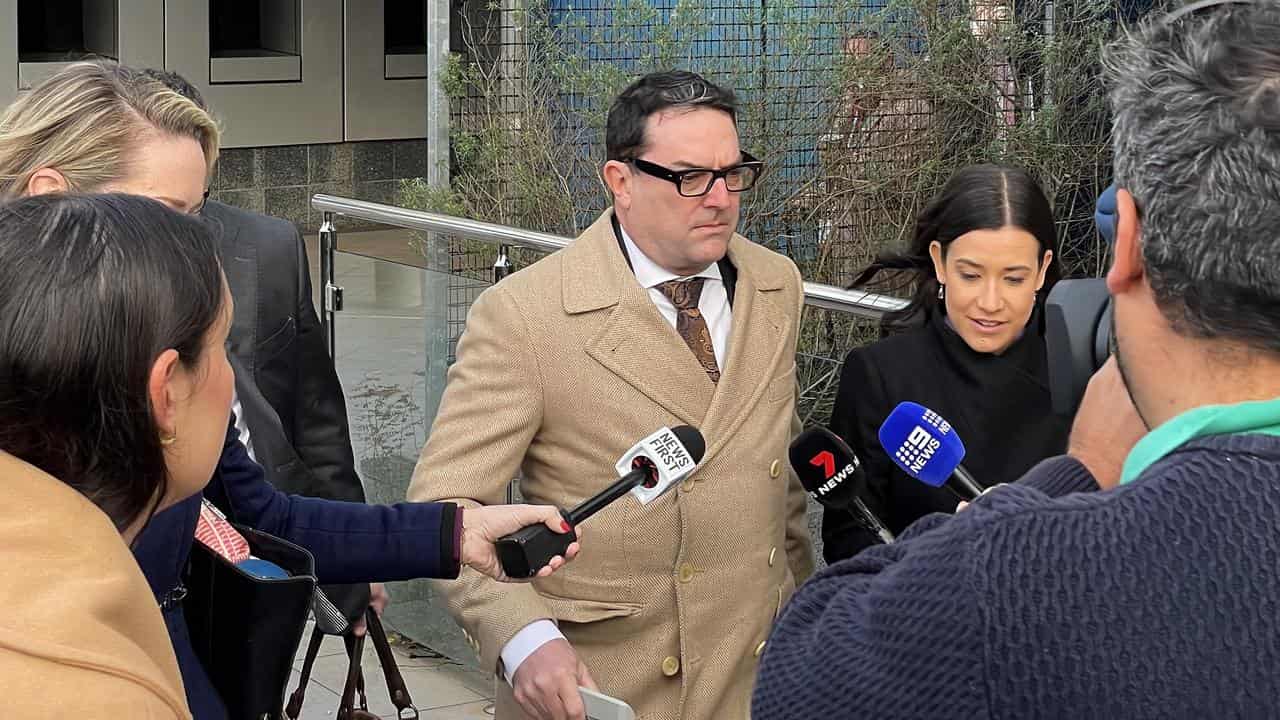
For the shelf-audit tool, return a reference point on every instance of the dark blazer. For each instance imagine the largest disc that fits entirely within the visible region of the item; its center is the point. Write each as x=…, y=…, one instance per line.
x=288, y=390
x=300, y=433
x=998, y=404
x=351, y=543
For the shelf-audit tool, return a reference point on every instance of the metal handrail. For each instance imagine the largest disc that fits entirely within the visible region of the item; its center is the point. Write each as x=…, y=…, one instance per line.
x=863, y=304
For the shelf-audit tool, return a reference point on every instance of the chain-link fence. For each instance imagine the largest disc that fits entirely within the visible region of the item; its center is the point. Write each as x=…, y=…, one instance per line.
x=860, y=109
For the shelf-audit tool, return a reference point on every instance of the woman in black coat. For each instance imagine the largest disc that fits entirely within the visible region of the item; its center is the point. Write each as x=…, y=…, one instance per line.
x=969, y=346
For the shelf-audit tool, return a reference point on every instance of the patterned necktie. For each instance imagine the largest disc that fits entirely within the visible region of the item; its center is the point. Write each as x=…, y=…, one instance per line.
x=690, y=324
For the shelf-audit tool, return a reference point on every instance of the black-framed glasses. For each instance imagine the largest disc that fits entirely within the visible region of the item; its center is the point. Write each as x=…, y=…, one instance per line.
x=697, y=182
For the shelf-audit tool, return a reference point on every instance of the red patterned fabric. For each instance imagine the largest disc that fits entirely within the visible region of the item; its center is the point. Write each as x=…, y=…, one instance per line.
x=214, y=532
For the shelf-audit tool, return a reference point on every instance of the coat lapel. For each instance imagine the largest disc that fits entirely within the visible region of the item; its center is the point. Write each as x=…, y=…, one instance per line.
x=240, y=264
x=635, y=342
x=641, y=348
x=271, y=449
x=757, y=348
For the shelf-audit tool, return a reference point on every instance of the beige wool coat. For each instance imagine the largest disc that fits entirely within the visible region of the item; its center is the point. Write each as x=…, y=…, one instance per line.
x=563, y=367
x=81, y=635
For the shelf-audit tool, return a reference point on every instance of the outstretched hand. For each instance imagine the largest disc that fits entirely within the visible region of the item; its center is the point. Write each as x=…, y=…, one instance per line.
x=481, y=526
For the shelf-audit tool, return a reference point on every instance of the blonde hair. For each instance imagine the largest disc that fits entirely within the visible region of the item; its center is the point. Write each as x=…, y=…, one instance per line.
x=86, y=121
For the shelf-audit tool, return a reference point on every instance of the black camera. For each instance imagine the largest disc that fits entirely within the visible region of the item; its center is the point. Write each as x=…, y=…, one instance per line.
x=1077, y=338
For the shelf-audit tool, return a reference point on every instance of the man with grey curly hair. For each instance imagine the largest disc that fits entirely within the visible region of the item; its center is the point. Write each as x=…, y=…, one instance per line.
x=1136, y=575
x=1197, y=158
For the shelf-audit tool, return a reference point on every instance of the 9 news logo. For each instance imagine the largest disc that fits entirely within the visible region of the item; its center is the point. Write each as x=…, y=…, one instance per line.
x=918, y=449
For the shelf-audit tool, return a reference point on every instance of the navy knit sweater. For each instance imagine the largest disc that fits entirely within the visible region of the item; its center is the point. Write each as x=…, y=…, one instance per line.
x=1159, y=599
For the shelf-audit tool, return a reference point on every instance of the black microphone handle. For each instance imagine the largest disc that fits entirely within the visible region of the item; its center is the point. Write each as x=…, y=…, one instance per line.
x=527, y=550
x=870, y=520
x=963, y=484
x=596, y=503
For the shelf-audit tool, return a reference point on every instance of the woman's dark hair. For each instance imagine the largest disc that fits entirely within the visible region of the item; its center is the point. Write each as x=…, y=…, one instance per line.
x=92, y=290
x=979, y=197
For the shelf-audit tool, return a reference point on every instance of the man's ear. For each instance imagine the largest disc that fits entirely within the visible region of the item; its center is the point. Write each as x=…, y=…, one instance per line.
x=1126, y=262
x=617, y=176
x=47, y=180
x=160, y=389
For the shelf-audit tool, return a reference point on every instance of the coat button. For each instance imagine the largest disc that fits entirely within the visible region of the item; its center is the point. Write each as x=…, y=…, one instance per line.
x=670, y=666
x=773, y=552
x=687, y=485
x=760, y=649
x=686, y=572
x=775, y=469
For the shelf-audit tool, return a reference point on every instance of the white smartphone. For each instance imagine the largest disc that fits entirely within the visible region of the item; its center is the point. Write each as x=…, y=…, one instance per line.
x=603, y=707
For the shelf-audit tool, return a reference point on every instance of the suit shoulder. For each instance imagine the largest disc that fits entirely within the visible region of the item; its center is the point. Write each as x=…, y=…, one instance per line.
x=896, y=347
x=529, y=291
x=864, y=366
x=261, y=229
x=767, y=259
x=240, y=216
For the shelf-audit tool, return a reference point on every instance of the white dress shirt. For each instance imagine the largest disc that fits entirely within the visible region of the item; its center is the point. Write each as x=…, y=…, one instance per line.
x=713, y=304
x=242, y=428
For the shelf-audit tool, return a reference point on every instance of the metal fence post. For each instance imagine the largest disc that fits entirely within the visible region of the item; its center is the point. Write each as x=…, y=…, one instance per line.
x=436, y=282
x=330, y=293
x=502, y=266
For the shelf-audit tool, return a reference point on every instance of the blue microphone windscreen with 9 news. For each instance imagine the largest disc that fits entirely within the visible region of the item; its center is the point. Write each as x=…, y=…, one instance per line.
x=922, y=443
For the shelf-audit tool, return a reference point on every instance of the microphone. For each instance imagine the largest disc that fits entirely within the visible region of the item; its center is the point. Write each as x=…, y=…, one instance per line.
x=652, y=466
x=927, y=448
x=832, y=475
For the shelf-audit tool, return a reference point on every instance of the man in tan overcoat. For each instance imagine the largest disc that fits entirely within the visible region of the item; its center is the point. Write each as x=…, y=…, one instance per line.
x=658, y=315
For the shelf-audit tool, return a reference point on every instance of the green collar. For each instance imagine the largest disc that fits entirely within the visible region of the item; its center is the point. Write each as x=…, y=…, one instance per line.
x=1258, y=416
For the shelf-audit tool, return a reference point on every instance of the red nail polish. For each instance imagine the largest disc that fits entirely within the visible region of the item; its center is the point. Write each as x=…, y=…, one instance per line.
x=565, y=526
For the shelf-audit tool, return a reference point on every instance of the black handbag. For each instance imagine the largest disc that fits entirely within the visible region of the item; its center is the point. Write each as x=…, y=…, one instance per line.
x=246, y=629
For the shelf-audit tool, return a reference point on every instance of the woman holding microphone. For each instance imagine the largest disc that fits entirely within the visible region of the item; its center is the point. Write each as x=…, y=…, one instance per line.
x=114, y=380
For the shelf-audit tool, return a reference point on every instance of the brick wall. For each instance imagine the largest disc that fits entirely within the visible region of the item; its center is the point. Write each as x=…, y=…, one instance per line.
x=280, y=181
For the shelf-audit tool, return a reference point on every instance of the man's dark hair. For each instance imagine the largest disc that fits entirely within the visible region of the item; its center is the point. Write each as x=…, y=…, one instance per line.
x=178, y=84
x=1196, y=137
x=655, y=92
x=92, y=289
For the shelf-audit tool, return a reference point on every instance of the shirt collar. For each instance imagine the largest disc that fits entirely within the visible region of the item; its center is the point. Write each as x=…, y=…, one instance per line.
x=1259, y=416
x=649, y=274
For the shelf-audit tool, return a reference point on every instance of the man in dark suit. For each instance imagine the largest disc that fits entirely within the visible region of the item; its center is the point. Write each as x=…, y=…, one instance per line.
x=289, y=410
x=300, y=433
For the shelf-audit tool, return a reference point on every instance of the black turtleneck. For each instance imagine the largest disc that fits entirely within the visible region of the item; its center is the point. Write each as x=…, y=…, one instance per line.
x=998, y=404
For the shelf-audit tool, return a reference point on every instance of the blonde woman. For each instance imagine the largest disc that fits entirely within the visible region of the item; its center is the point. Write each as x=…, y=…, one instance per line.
x=102, y=127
